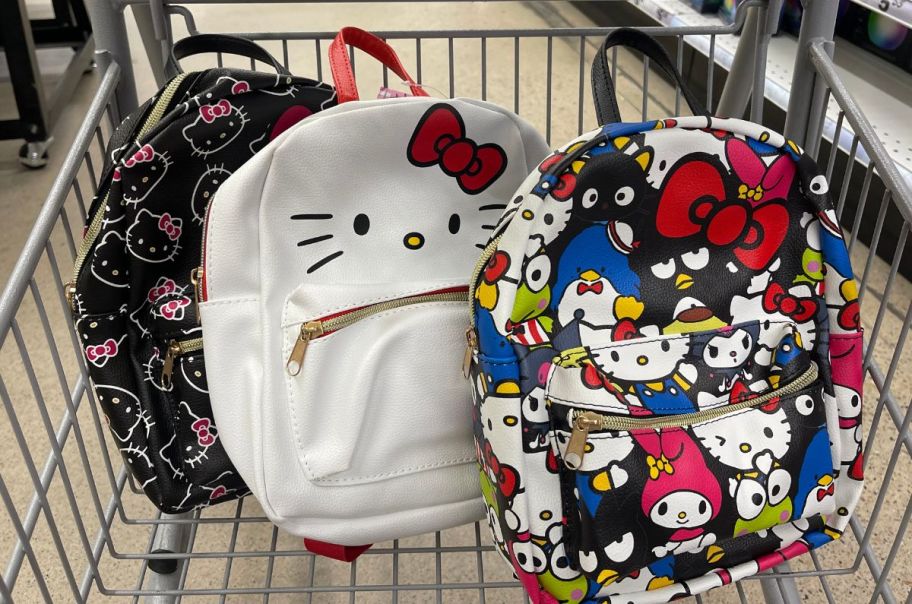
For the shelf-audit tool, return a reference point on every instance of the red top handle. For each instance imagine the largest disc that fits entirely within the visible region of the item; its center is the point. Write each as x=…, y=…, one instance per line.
x=344, y=77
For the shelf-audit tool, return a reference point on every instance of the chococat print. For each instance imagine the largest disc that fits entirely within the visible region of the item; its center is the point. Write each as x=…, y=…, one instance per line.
x=693, y=327
x=154, y=195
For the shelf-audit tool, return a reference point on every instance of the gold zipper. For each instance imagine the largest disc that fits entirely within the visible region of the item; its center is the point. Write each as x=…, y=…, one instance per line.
x=196, y=277
x=320, y=327
x=155, y=115
x=471, y=346
x=175, y=349
x=476, y=272
x=585, y=422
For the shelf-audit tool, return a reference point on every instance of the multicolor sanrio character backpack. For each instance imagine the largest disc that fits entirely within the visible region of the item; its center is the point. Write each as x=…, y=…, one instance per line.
x=132, y=295
x=665, y=358
x=335, y=302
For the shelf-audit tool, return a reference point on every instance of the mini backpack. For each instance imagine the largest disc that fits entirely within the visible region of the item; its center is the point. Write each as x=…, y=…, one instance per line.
x=335, y=303
x=665, y=358
x=132, y=295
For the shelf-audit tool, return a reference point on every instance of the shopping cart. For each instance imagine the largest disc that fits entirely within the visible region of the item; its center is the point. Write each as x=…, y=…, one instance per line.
x=75, y=522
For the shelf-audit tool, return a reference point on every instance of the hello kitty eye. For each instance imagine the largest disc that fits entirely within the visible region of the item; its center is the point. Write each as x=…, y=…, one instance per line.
x=778, y=485
x=624, y=196
x=538, y=271
x=454, y=224
x=590, y=197
x=696, y=260
x=664, y=270
x=361, y=224
x=750, y=499
x=819, y=185
x=665, y=346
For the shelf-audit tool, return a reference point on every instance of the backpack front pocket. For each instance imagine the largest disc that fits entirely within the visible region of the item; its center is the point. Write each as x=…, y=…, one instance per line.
x=709, y=485
x=376, y=391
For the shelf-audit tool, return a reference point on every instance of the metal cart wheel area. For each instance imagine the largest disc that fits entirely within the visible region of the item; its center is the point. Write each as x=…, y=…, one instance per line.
x=74, y=525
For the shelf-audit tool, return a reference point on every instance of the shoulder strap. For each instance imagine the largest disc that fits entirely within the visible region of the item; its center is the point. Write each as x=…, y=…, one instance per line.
x=603, y=91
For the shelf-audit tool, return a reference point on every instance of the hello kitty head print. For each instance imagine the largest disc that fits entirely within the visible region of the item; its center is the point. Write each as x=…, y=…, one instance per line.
x=214, y=128
x=154, y=237
x=140, y=173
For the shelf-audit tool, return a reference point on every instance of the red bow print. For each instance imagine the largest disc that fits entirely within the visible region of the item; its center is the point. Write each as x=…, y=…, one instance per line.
x=566, y=183
x=777, y=299
x=99, y=355
x=440, y=140
x=145, y=153
x=174, y=309
x=821, y=493
x=507, y=477
x=239, y=87
x=210, y=112
x=167, y=286
x=755, y=232
x=582, y=288
x=849, y=316
x=203, y=436
x=171, y=226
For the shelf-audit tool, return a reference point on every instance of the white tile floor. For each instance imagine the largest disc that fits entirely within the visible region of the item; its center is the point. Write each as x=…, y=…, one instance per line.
x=21, y=193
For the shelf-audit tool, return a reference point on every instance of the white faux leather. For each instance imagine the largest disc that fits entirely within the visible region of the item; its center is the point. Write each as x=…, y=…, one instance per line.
x=372, y=440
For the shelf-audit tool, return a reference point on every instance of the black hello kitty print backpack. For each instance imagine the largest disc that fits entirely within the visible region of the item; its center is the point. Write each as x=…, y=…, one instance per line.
x=665, y=359
x=133, y=295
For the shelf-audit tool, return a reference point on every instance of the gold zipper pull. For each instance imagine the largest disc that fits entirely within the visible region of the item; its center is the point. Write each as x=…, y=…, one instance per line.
x=196, y=279
x=173, y=351
x=576, y=448
x=471, y=343
x=69, y=290
x=309, y=331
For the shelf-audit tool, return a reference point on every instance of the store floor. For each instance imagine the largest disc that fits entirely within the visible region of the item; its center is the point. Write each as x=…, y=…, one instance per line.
x=21, y=194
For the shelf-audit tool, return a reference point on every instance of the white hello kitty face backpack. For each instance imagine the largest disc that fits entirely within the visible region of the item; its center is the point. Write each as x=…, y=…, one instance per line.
x=334, y=304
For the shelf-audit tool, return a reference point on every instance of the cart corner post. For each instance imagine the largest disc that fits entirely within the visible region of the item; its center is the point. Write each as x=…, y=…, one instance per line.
x=112, y=45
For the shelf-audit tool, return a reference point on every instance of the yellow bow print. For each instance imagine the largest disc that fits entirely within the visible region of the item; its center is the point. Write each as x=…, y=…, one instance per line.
x=657, y=466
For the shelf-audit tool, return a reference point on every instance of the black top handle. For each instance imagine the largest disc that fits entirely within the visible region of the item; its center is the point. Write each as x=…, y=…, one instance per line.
x=223, y=43
x=603, y=90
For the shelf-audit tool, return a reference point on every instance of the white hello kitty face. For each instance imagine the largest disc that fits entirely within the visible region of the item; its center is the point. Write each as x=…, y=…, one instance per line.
x=737, y=440
x=669, y=146
x=645, y=360
x=773, y=325
x=502, y=424
x=530, y=556
x=205, y=189
x=335, y=245
x=154, y=237
x=728, y=350
x=215, y=127
x=140, y=173
x=109, y=264
x=548, y=219
x=681, y=509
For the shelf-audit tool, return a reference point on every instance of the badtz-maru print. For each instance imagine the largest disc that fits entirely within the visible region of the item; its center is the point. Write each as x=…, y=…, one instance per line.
x=133, y=298
x=342, y=289
x=692, y=356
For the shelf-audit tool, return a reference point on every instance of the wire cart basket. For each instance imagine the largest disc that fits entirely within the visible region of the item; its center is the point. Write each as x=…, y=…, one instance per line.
x=75, y=525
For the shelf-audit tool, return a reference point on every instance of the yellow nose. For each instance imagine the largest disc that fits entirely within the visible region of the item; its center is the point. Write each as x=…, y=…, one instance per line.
x=682, y=515
x=745, y=447
x=642, y=359
x=413, y=241
x=684, y=281
x=590, y=275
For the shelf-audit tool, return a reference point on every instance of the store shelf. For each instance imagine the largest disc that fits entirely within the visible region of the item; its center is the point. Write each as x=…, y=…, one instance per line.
x=898, y=10
x=882, y=90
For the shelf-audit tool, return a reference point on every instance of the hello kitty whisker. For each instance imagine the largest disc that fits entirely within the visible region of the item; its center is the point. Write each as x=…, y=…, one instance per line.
x=489, y=227
x=492, y=206
x=323, y=261
x=311, y=216
x=480, y=246
x=314, y=240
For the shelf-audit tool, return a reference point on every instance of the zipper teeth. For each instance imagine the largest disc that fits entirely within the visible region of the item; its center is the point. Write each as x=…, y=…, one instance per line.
x=151, y=120
x=486, y=254
x=342, y=321
x=190, y=345
x=613, y=422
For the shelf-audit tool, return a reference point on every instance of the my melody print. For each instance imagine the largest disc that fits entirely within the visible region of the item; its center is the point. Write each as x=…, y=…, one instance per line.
x=132, y=294
x=665, y=360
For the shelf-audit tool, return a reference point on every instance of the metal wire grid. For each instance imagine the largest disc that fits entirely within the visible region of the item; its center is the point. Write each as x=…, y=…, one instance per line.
x=97, y=540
